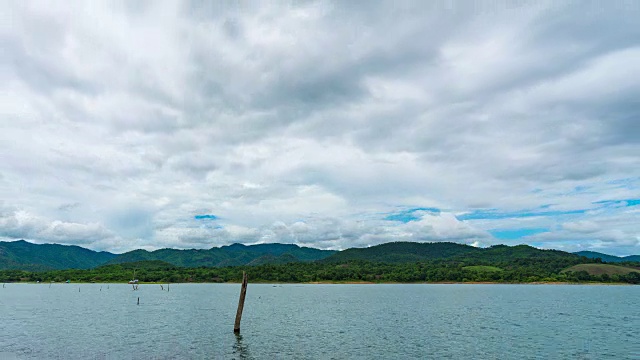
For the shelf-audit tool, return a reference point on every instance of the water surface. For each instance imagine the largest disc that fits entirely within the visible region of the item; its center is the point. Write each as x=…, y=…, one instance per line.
x=458, y=321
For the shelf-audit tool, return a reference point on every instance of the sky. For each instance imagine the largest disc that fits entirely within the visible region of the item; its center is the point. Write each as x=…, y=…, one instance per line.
x=195, y=124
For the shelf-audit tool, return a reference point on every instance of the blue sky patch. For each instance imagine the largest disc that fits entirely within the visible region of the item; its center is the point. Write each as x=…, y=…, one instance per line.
x=626, y=183
x=493, y=214
x=512, y=234
x=205, y=217
x=619, y=203
x=408, y=215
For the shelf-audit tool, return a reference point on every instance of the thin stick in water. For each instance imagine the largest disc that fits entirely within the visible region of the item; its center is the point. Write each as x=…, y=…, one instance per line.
x=243, y=293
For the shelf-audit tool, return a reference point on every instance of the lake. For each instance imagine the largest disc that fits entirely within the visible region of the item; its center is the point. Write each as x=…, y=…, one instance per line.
x=457, y=321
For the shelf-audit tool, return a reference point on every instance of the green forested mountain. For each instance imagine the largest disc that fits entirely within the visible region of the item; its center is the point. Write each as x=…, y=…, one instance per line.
x=504, y=253
x=403, y=252
x=129, y=267
x=231, y=255
x=406, y=252
x=25, y=255
x=39, y=257
x=302, y=253
x=608, y=258
x=273, y=259
x=22, y=255
x=395, y=262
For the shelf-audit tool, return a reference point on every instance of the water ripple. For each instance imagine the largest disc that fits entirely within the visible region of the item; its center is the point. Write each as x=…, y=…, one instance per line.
x=320, y=322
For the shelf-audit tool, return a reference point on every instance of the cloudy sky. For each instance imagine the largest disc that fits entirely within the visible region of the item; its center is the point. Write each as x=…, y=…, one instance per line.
x=325, y=124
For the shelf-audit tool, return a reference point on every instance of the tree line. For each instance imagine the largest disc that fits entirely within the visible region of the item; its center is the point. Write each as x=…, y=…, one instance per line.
x=525, y=270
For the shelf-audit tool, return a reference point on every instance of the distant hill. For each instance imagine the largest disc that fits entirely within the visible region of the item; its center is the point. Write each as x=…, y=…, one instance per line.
x=608, y=258
x=504, y=253
x=404, y=252
x=37, y=257
x=601, y=269
x=231, y=255
x=138, y=265
x=24, y=255
x=301, y=253
x=273, y=259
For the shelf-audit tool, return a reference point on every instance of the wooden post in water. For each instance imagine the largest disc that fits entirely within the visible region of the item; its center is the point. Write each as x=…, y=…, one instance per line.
x=243, y=293
x=138, y=301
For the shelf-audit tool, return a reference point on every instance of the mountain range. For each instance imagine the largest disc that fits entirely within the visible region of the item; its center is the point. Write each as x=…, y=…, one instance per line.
x=608, y=258
x=24, y=255
x=405, y=252
x=230, y=255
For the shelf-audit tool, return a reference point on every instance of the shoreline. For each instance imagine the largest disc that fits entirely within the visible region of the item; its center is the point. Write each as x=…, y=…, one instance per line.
x=336, y=283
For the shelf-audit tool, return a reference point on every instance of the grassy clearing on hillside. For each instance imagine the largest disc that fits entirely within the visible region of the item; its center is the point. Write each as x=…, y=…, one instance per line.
x=482, y=268
x=601, y=269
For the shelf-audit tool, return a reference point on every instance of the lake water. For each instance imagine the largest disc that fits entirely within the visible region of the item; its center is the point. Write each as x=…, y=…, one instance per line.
x=100, y=321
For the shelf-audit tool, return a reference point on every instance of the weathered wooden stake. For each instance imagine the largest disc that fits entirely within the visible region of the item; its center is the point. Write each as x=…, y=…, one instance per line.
x=243, y=293
x=138, y=301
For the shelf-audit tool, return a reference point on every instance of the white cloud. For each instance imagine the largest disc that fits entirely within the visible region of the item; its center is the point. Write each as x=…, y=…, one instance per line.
x=120, y=122
x=16, y=224
x=581, y=226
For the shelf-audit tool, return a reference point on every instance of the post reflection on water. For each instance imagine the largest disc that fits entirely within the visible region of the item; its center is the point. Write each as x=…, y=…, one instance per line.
x=241, y=349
